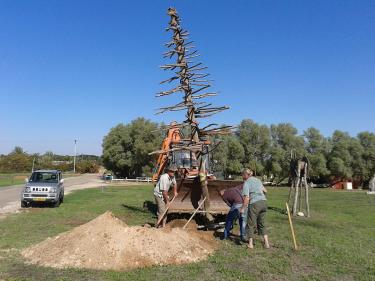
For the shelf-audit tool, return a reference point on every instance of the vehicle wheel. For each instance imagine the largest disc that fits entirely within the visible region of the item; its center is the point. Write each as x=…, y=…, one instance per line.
x=62, y=199
x=23, y=204
x=57, y=203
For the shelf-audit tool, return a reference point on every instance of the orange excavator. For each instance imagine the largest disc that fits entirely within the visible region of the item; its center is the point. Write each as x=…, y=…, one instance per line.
x=191, y=192
x=173, y=138
x=174, y=152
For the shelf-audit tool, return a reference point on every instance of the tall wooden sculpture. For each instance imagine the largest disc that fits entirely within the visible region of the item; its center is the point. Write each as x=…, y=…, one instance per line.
x=192, y=84
x=299, y=189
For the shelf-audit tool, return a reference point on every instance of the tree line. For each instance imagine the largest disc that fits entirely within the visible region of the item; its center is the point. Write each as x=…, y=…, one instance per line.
x=20, y=161
x=265, y=149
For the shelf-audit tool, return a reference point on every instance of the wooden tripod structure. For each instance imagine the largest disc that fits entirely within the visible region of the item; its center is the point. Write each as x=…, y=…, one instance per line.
x=299, y=188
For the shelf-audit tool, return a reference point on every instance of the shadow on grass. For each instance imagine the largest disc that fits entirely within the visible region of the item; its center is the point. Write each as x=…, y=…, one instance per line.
x=235, y=239
x=148, y=207
x=35, y=205
x=278, y=210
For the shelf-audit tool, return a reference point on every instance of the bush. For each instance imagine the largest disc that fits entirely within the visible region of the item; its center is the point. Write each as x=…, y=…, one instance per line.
x=87, y=166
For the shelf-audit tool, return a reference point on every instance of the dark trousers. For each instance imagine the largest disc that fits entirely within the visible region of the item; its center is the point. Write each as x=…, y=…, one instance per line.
x=256, y=219
x=232, y=216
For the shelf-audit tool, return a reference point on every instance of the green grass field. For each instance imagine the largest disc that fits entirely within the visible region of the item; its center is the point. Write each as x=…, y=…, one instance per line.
x=336, y=243
x=12, y=179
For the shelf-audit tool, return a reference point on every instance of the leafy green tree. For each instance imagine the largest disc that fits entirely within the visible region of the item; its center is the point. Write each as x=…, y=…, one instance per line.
x=276, y=166
x=357, y=163
x=236, y=154
x=256, y=140
x=340, y=158
x=367, y=140
x=339, y=168
x=16, y=161
x=317, y=147
x=346, y=158
x=18, y=150
x=45, y=160
x=284, y=139
x=87, y=166
x=126, y=148
x=229, y=156
x=219, y=156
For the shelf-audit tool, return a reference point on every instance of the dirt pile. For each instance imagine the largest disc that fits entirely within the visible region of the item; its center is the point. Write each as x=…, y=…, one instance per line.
x=108, y=243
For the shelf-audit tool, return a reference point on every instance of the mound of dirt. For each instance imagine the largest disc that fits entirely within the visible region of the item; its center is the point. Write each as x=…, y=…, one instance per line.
x=108, y=243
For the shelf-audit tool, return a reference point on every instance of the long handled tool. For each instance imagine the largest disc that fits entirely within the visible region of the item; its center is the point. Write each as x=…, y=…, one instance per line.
x=196, y=210
x=291, y=227
x=166, y=210
x=170, y=203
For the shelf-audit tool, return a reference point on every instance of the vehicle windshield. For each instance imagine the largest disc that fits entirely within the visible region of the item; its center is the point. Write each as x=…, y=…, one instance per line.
x=182, y=159
x=43, y=177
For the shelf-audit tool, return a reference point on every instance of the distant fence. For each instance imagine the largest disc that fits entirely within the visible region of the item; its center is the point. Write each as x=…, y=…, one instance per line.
x=138, y=179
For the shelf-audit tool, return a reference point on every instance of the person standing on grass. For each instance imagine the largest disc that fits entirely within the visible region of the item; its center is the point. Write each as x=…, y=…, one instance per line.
x=254, y=197
x=234, y=199
x=161, y=193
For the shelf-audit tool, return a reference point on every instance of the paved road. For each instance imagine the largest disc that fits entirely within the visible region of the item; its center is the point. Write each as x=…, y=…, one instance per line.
x=12, y=193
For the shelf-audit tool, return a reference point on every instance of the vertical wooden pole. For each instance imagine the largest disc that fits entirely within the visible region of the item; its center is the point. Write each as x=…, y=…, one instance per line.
x=165, y=212
x=296, y=193
x=300, y=196
x=291, y=228
x=291, y=191
x=307, y=199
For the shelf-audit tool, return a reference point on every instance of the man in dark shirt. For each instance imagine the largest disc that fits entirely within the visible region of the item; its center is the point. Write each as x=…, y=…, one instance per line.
x=234, y=199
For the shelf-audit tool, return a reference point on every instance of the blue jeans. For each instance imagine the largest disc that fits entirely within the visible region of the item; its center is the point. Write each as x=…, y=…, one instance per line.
x=232, y=216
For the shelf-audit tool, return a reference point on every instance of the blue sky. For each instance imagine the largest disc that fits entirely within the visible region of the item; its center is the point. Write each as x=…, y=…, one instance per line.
x=74, y=69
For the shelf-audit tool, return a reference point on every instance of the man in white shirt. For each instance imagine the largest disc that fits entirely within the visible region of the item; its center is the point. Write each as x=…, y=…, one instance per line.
x=161, y=193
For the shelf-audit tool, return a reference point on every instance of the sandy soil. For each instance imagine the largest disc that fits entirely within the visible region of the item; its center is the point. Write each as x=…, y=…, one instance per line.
x=108, y=243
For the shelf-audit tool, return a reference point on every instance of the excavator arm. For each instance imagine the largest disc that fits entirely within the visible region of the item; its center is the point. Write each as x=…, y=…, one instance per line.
x=173, y=136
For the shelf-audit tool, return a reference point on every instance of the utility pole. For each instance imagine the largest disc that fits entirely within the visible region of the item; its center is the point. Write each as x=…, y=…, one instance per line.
x=75, y=154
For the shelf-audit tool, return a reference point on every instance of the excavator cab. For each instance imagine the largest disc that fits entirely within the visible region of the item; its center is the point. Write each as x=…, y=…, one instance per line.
x=184, y=159
x=190, y=192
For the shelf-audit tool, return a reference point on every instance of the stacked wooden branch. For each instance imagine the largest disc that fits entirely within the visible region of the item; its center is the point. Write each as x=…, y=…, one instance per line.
x=192, y=82
x=189, y=147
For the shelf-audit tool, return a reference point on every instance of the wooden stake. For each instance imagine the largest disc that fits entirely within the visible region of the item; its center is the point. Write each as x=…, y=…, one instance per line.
x=166, y=210
x=296, y=194
x=291, y=227
x=307, y=199
x=196, y=210
x=291, y=188
x=300, y=197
